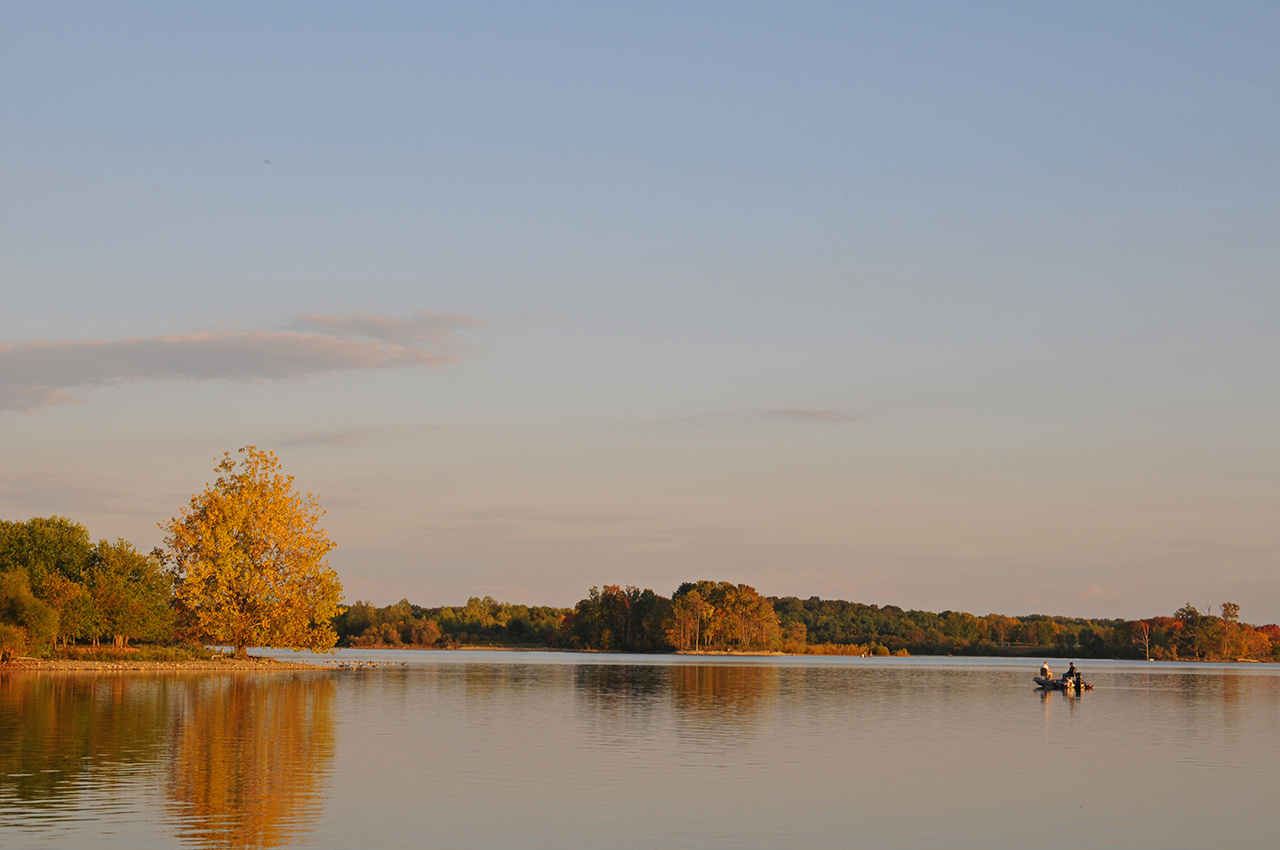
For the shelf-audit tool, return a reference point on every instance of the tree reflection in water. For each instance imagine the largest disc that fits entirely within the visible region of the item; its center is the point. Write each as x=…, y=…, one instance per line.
x=716, y=701
x=250, y=756
x=247, y=756
x=619, y=686
x=56, y=728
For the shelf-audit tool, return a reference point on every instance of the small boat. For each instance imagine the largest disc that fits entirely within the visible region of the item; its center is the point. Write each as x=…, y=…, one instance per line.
x=1075, y=684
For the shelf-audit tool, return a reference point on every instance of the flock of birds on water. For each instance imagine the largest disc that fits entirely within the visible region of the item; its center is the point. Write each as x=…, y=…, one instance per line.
x=364, y=665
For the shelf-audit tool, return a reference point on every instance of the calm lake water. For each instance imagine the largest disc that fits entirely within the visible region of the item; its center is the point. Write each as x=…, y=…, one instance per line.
x=558, y=750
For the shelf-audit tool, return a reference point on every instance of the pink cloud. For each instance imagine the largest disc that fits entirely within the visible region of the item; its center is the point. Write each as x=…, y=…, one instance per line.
x=440, y=329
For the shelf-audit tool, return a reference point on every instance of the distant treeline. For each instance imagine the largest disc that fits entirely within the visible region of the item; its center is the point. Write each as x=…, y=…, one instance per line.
x=726, y=617
x=57, y=587
x=481, y=622
x=1188, y=634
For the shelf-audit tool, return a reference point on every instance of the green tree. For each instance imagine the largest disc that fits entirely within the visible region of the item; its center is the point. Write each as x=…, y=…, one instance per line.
x=25, y=621
x=77, y=614
x=588, y=625
x=130, y=592
x=43, y=547
x=1200, y=632
x=249, y=560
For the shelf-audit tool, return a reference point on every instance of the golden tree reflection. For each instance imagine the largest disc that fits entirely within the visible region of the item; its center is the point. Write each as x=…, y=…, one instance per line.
x=250, y=757
x=720, y=694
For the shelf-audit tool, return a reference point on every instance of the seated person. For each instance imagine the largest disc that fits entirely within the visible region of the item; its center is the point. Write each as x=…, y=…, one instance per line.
x=1044, y=671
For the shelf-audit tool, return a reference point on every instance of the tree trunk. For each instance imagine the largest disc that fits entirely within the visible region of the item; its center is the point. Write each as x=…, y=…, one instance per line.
x=242, y=652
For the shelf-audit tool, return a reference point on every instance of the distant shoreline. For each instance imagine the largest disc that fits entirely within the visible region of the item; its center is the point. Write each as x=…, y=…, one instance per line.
x=256, y=665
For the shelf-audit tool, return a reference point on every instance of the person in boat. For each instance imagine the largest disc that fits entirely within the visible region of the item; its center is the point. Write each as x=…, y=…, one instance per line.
x=1071, y=671
x=1044, y=671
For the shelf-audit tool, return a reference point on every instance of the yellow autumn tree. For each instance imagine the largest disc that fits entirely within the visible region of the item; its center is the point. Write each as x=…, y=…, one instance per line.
x=248, y=557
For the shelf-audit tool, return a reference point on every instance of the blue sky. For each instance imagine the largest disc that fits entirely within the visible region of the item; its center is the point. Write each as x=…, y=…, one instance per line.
x=963, y=306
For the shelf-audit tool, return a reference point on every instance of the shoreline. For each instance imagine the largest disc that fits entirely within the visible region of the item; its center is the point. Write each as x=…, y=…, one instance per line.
x=263, y=664
x=226, y=665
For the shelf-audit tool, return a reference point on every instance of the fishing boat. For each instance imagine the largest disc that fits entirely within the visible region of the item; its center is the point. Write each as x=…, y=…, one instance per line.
x=1075, y=684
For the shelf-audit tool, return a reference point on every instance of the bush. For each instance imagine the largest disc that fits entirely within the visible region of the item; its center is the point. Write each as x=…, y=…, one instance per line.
x=13, y=642
x=28, y=622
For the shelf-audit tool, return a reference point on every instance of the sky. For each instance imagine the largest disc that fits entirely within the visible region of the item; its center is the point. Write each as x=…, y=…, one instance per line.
x=940, y=305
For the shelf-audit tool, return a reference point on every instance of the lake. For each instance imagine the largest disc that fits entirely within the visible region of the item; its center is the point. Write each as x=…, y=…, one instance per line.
x=564, y=750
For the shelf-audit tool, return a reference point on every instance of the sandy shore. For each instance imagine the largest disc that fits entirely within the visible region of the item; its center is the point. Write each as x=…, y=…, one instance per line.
x=255, y=665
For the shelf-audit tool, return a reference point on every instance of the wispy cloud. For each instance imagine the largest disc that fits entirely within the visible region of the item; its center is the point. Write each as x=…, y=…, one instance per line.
x=438, y=329
x=795, y=414
x=810, y=415
x=517, y=530
x=1095, y=593
x=28, y=398
x=39, y=373
x=326, y=438
x=39, y=493
x=580, y=519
